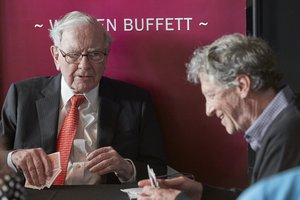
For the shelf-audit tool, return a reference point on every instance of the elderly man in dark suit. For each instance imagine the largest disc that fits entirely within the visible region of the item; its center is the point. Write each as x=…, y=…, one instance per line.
x=243, y=88
x=116, y=129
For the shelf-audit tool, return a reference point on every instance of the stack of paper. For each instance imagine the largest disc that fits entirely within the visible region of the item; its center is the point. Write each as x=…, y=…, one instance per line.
x=133, y=192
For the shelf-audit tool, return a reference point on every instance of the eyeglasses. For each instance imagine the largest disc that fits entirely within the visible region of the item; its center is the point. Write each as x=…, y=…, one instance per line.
x=75, y=58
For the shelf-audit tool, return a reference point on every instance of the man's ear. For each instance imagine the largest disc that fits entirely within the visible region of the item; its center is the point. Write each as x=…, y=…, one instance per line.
x=106, y=57
x=244, y=85
x=55, y=55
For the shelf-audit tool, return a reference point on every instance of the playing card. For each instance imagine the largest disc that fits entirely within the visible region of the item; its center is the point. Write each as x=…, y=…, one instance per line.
x=55, y=160
x=133, y=192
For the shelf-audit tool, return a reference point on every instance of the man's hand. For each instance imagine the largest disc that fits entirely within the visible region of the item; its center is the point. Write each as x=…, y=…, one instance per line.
x=105, y=160
x=170, y=188
x=151, y=193
x=35, y=165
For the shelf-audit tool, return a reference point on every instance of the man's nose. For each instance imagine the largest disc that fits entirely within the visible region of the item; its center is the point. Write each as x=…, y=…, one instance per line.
x=84, y=62
x=209, y=109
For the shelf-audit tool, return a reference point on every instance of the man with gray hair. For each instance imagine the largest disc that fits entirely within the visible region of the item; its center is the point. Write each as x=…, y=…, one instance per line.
x=243, y=88
x=104, y=129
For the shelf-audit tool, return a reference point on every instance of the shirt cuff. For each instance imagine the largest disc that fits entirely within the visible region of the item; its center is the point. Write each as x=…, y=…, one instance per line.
x=183, y=196
x=133, y=178
x=9, y=161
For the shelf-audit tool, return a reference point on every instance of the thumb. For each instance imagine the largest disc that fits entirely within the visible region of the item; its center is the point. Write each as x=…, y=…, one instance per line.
x=144, y=182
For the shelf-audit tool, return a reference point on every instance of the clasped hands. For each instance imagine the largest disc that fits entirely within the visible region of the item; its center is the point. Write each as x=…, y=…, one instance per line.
x=170, y=188
x=37, y=168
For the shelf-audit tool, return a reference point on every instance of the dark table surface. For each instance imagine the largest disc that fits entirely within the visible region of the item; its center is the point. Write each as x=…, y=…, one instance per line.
x=81, y=192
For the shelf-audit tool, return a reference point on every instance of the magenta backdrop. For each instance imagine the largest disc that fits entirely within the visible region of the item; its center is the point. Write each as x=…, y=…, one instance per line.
x=152, y=41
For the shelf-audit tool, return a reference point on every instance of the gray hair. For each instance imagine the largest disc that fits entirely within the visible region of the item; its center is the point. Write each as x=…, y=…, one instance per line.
x=232, y=55
x=73, y=19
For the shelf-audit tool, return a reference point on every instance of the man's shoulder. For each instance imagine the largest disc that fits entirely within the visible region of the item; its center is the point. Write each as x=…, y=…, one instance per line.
x=288, y=118
x=36, y=81
x=284, y=130
x=109, y=85
x=32, y=86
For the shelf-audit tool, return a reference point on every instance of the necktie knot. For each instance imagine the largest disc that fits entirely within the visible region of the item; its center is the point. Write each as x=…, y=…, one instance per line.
x=77, y=100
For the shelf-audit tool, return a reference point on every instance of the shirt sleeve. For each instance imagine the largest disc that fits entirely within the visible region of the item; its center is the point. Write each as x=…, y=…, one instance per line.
x=183, y=196
x=133, y=178
x=9, y=161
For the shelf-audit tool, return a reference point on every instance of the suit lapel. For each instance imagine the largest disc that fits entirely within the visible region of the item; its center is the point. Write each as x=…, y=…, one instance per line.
x=108, y=115
x=48, y=112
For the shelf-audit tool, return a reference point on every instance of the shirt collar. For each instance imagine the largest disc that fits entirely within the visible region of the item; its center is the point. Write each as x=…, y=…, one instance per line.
x=91, y=96
x=258, y=129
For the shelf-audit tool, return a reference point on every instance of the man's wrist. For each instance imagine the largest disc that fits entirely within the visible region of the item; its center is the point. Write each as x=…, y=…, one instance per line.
x=10, y=162
x=133, y=176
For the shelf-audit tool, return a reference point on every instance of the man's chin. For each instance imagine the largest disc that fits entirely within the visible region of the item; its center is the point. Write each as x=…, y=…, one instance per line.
x=81, y=88
x=230, y=131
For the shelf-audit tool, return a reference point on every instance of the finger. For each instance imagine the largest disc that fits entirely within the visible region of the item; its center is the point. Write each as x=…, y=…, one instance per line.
x=143, y=197
x=144, y=182
x=43, y=165
x=173, y=181
x=147, y=193
x=32, y=171
x=97, y=152
x=100, y=158
x=39, y=168
x=27, y=175
x=148, y=189
x=102, y=167
x=176, y=183
x=47, y=164
x=19, y=158
x=165, y=183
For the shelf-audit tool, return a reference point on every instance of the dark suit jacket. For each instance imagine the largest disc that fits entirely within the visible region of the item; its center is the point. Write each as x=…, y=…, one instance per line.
x=280, y=150
x=126, y=121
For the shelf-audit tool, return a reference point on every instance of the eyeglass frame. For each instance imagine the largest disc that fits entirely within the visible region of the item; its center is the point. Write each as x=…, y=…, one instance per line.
x=78, y=60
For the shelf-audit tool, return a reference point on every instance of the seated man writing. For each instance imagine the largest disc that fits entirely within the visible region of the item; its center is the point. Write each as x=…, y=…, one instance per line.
x=243, y=87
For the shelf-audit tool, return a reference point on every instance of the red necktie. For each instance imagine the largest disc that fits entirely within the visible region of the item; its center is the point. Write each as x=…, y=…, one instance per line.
x=66, y=136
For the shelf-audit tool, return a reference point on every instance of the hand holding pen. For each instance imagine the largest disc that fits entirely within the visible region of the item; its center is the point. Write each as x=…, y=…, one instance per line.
x=169, y=187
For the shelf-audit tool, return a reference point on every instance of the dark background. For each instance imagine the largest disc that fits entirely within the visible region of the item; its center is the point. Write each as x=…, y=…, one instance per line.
x=278, y=22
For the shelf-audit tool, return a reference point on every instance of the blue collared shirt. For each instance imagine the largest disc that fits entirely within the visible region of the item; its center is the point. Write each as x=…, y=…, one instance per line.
x=255, y=134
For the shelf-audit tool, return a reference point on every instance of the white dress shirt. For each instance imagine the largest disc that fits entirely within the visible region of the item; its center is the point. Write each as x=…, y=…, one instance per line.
x=85, y=138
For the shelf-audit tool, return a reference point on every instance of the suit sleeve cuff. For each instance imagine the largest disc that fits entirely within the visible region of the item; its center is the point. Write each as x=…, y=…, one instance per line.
x=183, y=196
x=133, y=178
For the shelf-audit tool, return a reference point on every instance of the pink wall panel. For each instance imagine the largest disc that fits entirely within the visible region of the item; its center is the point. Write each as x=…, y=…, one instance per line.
x=152, y=41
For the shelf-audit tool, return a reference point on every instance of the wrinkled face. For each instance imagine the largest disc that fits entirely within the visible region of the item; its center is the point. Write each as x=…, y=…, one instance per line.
x=85, y=75
x=226, y=104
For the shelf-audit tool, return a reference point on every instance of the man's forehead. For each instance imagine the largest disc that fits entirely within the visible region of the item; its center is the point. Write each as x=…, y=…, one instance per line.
x=73, y=41
x=208, y=83
x=206, y=79
x=81, y=31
